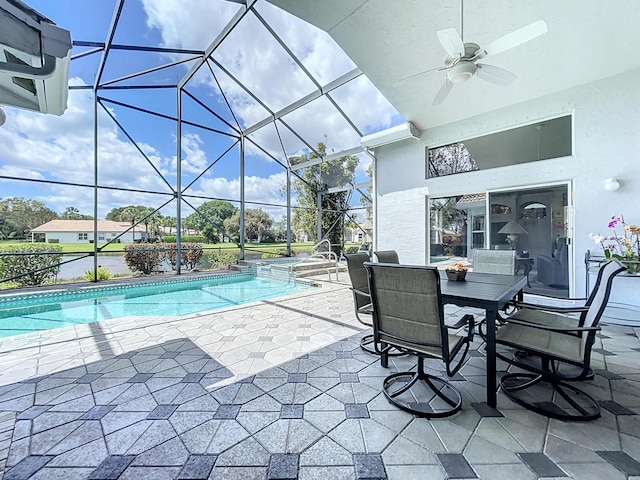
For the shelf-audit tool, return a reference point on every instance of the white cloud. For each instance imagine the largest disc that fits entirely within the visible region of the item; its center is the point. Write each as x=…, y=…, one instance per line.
x=263, y=66
x=40, y=146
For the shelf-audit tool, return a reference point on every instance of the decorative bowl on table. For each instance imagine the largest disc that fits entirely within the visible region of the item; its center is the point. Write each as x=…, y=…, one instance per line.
x=456, y=272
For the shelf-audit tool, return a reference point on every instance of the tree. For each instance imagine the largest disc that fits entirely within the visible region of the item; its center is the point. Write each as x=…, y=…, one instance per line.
x=213, y=212
x=72, y=213
x=279, y=229
x=210, y=234
x=450, y=159
x=20, y=215
x=256, y=223
x=318, y=178
x=134, y=214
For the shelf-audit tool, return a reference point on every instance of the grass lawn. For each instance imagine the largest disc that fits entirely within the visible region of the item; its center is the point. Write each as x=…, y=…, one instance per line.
x=79, y=248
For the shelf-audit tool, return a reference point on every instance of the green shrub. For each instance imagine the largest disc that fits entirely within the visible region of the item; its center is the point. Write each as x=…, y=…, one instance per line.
x=144, y=257
x=103, y=274
x=353, y=249
x=53, y=240
x=26, y=259
x=222, y=260
x=190, y=255
x=184, y=238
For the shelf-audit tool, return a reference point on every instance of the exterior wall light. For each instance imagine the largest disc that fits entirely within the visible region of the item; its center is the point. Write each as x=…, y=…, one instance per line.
x=611, y=185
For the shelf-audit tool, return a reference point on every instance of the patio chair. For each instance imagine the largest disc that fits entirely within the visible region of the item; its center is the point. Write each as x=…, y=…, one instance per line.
x=557, y=342
x=494, y=261
x=387, y=256
x=362, y=301
x=408, y=314
x=502, y=262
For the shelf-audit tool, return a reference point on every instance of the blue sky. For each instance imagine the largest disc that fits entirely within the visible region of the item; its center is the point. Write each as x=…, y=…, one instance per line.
x=61, y=148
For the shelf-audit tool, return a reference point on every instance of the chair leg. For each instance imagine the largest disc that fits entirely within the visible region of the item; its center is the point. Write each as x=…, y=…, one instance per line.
x=422, y=394
x=367, y=344
x=548, y=397
x=533, y=363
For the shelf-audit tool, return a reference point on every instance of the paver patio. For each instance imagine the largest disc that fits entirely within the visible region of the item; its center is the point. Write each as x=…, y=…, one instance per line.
x=281, y=390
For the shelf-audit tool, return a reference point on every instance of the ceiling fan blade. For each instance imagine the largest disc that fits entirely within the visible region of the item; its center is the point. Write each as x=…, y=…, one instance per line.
x=442, y=93
x=398, y=83
x=451, y=42
x=496, y=75
x=513, y=39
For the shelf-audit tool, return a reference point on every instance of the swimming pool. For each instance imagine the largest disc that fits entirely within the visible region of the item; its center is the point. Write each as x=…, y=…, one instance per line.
x=46, y=310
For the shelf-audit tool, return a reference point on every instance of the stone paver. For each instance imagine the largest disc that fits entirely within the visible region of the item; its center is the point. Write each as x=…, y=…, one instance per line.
x=282, y=389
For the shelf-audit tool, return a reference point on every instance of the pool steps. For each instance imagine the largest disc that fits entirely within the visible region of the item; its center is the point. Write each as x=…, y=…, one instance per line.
x=285, y=270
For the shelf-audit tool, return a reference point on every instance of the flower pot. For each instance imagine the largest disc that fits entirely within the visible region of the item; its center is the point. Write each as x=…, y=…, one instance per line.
x=456, y=275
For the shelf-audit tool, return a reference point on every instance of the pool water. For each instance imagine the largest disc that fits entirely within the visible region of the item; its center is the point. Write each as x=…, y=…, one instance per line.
x=44, y=311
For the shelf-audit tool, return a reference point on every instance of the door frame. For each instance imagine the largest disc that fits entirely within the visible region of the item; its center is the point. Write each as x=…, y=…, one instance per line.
x=568, y=184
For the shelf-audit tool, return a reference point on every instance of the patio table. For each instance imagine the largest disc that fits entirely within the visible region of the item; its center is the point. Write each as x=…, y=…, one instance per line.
x=490, y=292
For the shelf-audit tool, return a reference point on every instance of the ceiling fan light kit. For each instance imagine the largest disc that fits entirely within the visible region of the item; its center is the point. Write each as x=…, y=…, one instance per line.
x=462, y=71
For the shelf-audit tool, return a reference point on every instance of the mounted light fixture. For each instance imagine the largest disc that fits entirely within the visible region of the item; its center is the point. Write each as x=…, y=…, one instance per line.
x=394, y=134
x=611, y=185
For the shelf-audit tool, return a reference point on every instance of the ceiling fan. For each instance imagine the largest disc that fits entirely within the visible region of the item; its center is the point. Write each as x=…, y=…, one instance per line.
x=461, y=61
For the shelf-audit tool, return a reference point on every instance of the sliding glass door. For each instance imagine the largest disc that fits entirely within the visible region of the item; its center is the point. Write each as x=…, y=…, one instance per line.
x=534, y=221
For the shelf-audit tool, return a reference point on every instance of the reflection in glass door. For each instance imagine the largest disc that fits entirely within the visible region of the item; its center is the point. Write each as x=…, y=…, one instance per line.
x=534, y=223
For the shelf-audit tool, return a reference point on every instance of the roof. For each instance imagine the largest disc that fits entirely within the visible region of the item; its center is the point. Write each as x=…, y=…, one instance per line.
x=472, y=198
x=81, y=226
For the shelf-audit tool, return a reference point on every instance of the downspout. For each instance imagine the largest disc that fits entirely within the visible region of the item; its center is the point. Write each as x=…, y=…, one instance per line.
x=374, y=210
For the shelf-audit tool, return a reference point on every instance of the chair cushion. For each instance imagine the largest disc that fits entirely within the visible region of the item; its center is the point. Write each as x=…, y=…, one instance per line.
x=544, y=342
x=546, y=318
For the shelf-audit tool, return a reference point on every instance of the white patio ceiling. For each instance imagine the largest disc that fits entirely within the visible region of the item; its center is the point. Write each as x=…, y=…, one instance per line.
x=391, y=40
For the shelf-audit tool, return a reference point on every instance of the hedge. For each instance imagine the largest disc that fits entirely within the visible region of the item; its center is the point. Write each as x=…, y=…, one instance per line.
x=185, y=238
x=23, y=261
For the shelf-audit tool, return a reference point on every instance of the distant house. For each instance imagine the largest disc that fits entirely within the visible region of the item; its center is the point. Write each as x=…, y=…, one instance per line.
x=82, y=231
x=360, y=234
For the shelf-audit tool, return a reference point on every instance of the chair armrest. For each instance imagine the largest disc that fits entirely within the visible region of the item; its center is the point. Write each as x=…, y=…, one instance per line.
x=360, y=293
x=462, y=321
x=551, y=328
x=556, y=298
x=549, y=308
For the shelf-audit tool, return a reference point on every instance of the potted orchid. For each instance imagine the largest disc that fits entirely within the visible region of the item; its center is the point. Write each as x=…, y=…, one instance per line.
x=623, y=244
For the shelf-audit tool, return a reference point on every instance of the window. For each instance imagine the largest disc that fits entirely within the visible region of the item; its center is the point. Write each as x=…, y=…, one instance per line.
x=100, y=236
x=83, y=236
x=448, y=228
x=538, y=141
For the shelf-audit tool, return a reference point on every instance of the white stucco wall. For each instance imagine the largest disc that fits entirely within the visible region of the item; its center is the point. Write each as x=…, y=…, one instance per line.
x=72, y=237
x=606, y=144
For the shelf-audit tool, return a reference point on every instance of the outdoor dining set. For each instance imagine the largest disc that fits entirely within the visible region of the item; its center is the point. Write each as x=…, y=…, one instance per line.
x=548, y=349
